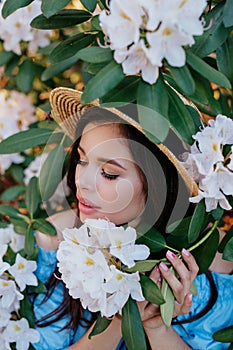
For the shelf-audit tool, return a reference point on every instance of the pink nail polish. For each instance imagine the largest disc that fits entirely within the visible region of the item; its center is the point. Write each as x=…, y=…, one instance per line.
x=190, y=297
x=163, y=266
x=185, y=252
x=171, y=255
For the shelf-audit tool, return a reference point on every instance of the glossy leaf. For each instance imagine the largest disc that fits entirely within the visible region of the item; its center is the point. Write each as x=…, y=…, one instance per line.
x=184, y=79
x=63, y=19
x=29, y=241
x=179, y=227
x=142, y=266
x=224, y=58
x=7, y=210
x=207, y=71
x=196, y=223
x=205, y=253
x=125, y=92
x=58, y=68
x=32, y=197
x=12, y=192
x=40, y=288
x=44, y=226
x=100, y=325
x=104, y=81
x=70, y=47
x=132, y=328
x=20, y=226
x=228, y=14
x=26, y=75
x=152, y=104
x=26, y=309
x=224, y=335
x=51, y=172
x=26, y=139
x=151, y=291
x=11, y=6
x=50, y=7
x=167, y=308
x=228, y=250
x=180, y=117
x=5, y=56
x=152, y=239
x=95, y=54
x=89, y=4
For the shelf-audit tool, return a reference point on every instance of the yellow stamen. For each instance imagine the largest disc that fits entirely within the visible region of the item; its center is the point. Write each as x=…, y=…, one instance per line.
x=183, y=2
x=5, y=284
x=215, y=147
x=124, y=15
x=167, y=31
x=118, y=244
x=21, y=266
x=17, y=328
x=119, y=277
x=89, y=262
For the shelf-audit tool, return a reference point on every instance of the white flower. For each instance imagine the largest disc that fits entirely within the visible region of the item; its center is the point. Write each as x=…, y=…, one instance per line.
x=5, y=316
x=3, y=265
x=4, y=236
x=22, y=271
x=8, y=235
x=19, y=332
x=123, y=247
x=224, y=128
x=4, y=343
x=34, y=167
x=135, y=60
x=9, y=294
x=122, y=24
x=230, y=165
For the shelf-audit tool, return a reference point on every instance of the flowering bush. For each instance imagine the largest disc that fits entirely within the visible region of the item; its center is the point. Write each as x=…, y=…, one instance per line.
x=167, y=46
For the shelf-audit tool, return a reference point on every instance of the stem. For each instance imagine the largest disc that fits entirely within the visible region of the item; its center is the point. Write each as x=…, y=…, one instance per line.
x=171, y=248
x=205, y=237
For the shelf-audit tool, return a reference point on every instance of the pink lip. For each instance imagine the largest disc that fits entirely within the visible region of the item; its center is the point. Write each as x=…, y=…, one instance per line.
x=86, y=207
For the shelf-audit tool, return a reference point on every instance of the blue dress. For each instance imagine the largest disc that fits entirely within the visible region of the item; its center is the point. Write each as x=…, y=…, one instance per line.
x=197, y=334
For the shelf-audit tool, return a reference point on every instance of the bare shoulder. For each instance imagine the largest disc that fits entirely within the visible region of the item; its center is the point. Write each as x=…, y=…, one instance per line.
x=61, y=221
x=219, y=265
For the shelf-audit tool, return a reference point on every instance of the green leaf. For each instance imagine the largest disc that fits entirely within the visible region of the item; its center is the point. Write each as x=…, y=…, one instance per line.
x=26, y=309
x=167, y=308
x=40, y=288
x=206, y=252
x=12, y=192
x=50, y=7
x=184, y=79
x=132, y=328
x=228, y=14
x=58, y=68
x=224, y=58
x=29, y=245
x=104, y=81
x=89, y=4
x=228, y=250
x=63, y=19
x=125, y=92
x=32, y=197
x=11, y=6
x=151, y=291
x=207, y=71
x=224, y=335
x=193, y=289
x=17, y=172
x=27, y=139
x=196, y=223
x=152, y=103
x=180, y=117
x=25, y=76
x=153, y=239
x=95, y=54
x=217, y=213
x=142, y=266
x=179, y=227
x=51, y=172
x=5, y=56
x=44, y=226
x=7, y=210
x=20, y=226
x=101, y=324
x=215, y=36
x=70, y=47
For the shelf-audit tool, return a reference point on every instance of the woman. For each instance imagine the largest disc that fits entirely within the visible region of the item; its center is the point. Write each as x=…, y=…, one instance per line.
x=112, y=173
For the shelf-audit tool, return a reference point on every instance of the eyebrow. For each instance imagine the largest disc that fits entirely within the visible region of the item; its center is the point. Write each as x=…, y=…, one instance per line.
x=104, y=160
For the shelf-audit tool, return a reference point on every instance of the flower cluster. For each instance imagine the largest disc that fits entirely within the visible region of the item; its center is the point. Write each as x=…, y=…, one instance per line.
x=144, y=32
x=16, y=114
x=211, y=163
x=16, y=28
x=13, y=281
x=91, y=261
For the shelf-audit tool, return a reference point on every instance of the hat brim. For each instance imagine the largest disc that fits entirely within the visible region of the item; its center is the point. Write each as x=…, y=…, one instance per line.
x=67, y=110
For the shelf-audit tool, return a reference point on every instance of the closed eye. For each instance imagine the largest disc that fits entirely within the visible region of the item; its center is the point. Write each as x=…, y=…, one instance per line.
x=109, y=176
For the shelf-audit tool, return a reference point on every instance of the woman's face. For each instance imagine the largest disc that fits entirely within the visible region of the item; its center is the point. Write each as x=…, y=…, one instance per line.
x=107, y=179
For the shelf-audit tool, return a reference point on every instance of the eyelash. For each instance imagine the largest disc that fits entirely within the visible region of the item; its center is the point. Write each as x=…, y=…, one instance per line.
x=103, y=173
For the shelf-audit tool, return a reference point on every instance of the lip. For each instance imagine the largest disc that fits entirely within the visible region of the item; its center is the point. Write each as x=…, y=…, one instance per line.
x=86, y=207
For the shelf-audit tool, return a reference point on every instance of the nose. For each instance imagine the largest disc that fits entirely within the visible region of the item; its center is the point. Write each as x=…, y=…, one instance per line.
x=85, y=177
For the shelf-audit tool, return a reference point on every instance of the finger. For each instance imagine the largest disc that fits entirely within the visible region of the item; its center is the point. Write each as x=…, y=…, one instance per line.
x=155, y=275
x=191, y=262
x=185, y=307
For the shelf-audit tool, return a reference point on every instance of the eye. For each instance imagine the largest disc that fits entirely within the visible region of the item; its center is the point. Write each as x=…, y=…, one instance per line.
x=109, y=176
x=81, y=162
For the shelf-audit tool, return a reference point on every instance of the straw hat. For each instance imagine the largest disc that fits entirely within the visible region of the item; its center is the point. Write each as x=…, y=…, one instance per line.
x=67, y=111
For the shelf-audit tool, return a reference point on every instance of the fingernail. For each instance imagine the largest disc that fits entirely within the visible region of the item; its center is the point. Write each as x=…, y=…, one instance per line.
x=190, y=298
x=157, y=269
x=171, y=255
x=185, y=252
x=163, y=266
